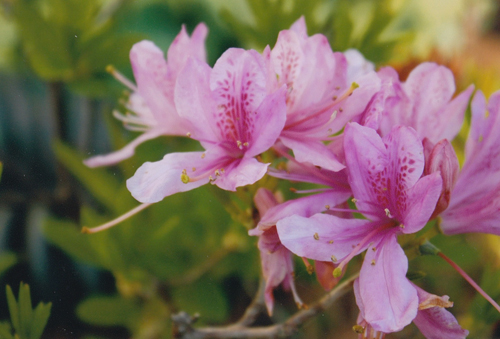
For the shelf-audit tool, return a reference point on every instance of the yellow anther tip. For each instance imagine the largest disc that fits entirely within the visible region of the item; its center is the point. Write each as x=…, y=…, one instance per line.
x=184, y=178
x=85, y=230
x=354, y=85
x=110, y=68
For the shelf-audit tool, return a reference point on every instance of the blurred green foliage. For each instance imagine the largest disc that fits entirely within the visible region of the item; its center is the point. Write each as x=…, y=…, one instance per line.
x=25, y=322
x=178, y=253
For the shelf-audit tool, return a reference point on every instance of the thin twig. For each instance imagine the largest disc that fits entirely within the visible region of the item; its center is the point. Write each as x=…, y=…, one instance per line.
x=183, y=322
x=255, y=308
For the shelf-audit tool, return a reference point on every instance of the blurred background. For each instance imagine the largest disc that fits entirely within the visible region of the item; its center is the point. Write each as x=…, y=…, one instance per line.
x=190, y=252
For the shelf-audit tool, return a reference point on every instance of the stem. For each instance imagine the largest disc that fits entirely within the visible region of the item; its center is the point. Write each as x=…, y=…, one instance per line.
x=183, y=322
x=116, y=221
x=470, y=281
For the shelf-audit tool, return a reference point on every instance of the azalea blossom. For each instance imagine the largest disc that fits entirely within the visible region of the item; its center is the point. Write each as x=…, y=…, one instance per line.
x=424, y=102
x=432, y=319
x=385, y=178
x=475, y=200
x=151, y=107
x=235, y=113
x=323, y=93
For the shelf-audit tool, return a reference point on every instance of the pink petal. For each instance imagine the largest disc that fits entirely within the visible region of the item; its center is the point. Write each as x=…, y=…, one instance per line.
x=154, y=181
x=436, y=322
x=300, y=28
x=422, y=200
x=183, y=47
x=357, y=65
x=365, y=157
x=389, y=301
x=305, y=207
x=442, y=158
x=312, y=151
x=475, y=200
x=194, y=100
x=268, y=123
x=276, y=261
x=122, y=154
x=155, y=87
x=321, y=236
x=241, y=172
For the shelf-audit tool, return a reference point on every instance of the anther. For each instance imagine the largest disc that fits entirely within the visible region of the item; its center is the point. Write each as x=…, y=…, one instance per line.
x=184, y=177
x=358, y=329
x=239, y=143
x=334, y=97
x=193, y=169
x=327, y=207
x=203, y=155
x=217, y=173
x=316, y=236
x=330, y=242
x=245, y=144
x=188, y=134
x=373, y=262
x=334, y=259
x=354, y=200
x=388, y=213
x=402, y=226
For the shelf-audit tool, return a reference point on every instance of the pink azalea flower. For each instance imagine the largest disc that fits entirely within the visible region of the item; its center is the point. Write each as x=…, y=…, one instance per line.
x=423, y=102
x=151, y=104
x=235, y=113
x=277, y=263
x=385, y=178
x=432, y=319
x=320, y=98
x=475, y=200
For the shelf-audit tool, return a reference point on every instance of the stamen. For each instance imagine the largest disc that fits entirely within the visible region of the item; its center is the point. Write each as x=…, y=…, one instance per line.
x=120, y=77
x=316, y=190
x=309, y=267
x=470, y=281
x=116, y=221
x=335, y=102
x=337, y=272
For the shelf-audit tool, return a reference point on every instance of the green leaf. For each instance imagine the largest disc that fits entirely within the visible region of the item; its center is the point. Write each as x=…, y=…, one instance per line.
x=13, y=309
x=25, y=311
x=45, y=43
x=40, y=319
x=5, y=330
x=100, y=183
x=28, y=324
x=108, y=311
x=7, y=260
x=67, y=236
x=205, y=297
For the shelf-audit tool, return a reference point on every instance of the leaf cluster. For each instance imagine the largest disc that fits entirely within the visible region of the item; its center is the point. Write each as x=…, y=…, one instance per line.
x=26, y=322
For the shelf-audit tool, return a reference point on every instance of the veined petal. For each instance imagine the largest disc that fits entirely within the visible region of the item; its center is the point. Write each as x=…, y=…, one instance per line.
x=434, y=321
x=422, y=200
x=241, y=172
x=155, y=86
x=300, y=28
x=268, y=123
x=475, y=201
x=305, y=207
x=183, y=47
x=357, y=65
x=366, y=160
x=312, y=151
x=321, y=236
x=122, y=154
x=239, y=85
x=356, y=103
x=388, y=299
x=194, y=101
x=154, y=181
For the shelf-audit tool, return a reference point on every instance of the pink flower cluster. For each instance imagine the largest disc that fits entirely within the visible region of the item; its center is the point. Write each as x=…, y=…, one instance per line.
x=366, y=138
